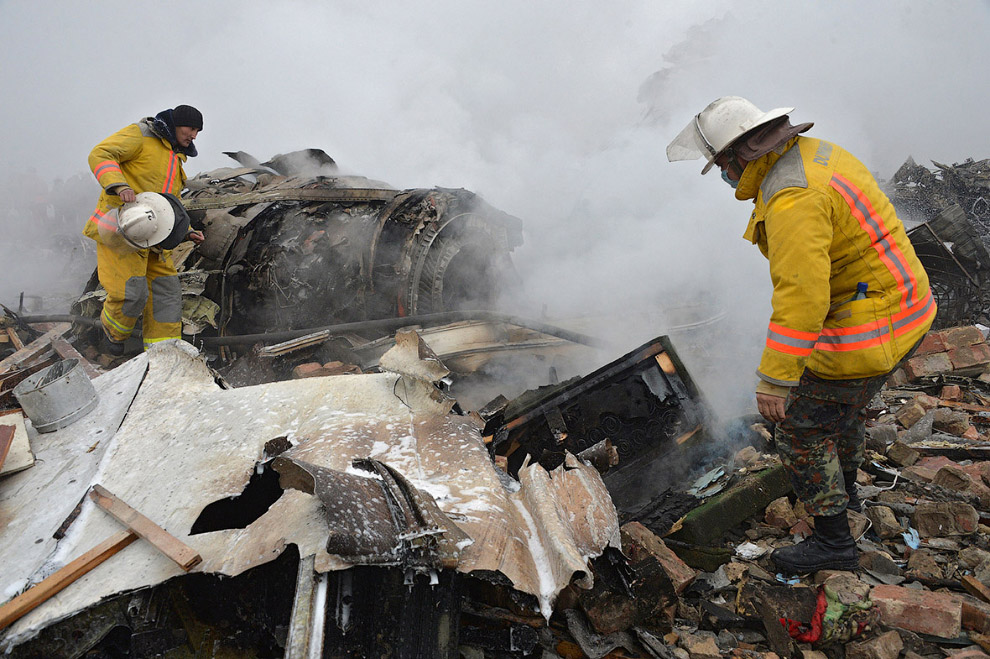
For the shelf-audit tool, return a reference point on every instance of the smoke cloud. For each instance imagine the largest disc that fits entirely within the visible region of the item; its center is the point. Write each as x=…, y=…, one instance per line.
x=556, y=112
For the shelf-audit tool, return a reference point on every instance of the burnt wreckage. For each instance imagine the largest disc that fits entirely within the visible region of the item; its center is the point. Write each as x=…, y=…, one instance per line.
x=292, y=243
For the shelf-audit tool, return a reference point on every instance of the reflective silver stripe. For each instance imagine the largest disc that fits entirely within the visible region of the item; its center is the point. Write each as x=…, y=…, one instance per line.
x=805, y=344
x=854, y=338
x=916, y=314
x=782, y=383
x=135, y=296
x=166, y=299
x=701, y=133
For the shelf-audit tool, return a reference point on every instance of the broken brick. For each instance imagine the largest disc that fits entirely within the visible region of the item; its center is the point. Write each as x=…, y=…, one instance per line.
x=927, y=402
x=953, y=478
x=970, y=356
x=884, y=521
x=924, y=612
x=959, y=337
x=951, y=421
x=902, y=455
x=922, y=565
x=897, y=378
x=884, y=646
x=971, y=434
x=919, y=367
x=307, y=370
x=910, y=413
x=932, y=342
x=944, y=518
x=951, y=392
x=780, y=514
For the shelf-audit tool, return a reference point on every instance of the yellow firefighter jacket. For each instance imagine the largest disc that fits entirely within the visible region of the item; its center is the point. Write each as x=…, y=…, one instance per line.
x=138, y=157
x=825, y=225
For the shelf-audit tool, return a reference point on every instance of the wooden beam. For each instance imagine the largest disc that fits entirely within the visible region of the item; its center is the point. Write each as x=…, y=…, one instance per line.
x=184, y=555
x=975, y=588
x=56, y=582
x=6, y=440
x=36, y=348
x=16, y=340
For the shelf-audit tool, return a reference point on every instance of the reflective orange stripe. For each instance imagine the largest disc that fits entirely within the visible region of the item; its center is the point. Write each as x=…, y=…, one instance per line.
x=872, y=224
x=790, y=341
x=97, y=217
x=104, y=167
x=171, y=172
x=793, y=333
x=790, y=350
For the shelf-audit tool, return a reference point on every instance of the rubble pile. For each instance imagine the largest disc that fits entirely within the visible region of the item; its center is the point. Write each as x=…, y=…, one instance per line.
x=949, y=212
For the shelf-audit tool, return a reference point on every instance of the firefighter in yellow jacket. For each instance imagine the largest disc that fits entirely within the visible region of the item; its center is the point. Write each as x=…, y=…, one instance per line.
x=143, y=157
x=850, y=302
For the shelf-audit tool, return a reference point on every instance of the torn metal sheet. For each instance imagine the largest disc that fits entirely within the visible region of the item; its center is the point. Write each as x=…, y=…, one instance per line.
x=34, y=503
x=187, y=443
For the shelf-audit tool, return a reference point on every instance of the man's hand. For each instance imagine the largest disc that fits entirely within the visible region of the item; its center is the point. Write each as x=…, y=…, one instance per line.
x=771, y=407
x=196, y=236
x=126, y=195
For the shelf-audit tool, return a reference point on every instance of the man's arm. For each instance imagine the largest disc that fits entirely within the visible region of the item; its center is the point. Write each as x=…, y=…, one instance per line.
x=106, y=157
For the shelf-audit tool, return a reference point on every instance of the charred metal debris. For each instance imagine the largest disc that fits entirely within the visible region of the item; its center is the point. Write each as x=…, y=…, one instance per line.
x=340, y=462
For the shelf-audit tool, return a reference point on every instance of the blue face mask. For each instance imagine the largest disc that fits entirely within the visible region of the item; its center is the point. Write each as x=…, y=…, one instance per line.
x=725, y=177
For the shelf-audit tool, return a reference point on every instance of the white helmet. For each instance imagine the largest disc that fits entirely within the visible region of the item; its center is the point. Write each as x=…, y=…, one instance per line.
x=146, y=221
x=715, y=128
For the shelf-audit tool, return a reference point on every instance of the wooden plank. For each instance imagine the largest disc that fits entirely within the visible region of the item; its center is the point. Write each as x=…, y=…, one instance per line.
x=6, y=440
x=20, y=456
x=66, y=350
x=968, y=407
x=16, y=340
x=56, y=582
x=975, y=588
x=36, y=348
x=184, y=555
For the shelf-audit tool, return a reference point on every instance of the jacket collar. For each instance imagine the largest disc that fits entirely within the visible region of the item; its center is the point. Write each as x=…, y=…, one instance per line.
x=161, y=124
x=756, y=170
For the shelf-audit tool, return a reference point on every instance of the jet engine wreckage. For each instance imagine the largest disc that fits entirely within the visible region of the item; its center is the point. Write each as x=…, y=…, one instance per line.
x=345, y=499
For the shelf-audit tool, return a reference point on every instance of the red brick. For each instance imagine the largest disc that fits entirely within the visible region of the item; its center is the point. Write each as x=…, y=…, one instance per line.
x=927, y=402
x=910, y=413
x=921, y=611
x=951, y=392
x=308, y=370
x=957, y=337
x=967, y=356
x=933, y=364
x=971, y=434
x=931, y=343
x=897, y=379
x=638, y=542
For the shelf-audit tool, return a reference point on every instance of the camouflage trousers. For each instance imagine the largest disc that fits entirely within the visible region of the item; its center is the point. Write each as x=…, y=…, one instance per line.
x=824, y=435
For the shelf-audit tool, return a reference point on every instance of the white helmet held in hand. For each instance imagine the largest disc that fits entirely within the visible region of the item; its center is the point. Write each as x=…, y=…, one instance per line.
x=715, y=128
x=146, y=221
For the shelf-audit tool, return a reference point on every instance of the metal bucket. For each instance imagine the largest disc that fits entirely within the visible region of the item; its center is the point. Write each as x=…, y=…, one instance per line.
x=56, y=396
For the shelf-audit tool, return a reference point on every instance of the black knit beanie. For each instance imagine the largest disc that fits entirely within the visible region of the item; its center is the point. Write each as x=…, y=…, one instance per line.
x=187, y=115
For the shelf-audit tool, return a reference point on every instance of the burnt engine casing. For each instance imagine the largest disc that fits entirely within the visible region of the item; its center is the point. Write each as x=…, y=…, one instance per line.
x=296, y=251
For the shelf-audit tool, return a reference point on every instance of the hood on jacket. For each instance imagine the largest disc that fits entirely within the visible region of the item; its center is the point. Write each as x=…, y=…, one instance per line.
x=164, y=126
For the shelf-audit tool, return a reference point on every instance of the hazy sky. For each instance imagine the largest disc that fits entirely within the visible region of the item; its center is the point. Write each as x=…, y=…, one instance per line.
x=543, y=108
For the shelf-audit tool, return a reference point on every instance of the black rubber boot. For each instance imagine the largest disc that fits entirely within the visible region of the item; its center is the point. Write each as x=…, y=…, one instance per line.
x=110, y=347
x=830, y=547
x=852, y=490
